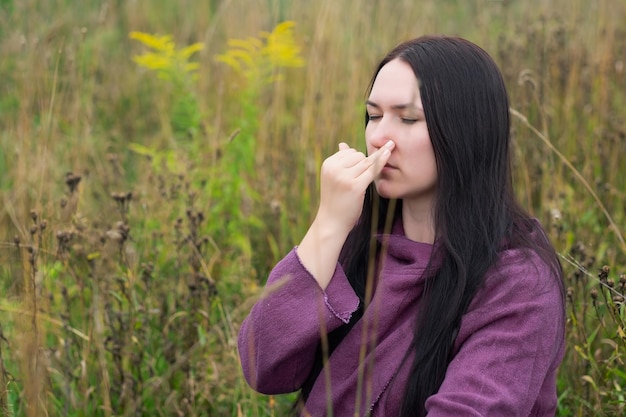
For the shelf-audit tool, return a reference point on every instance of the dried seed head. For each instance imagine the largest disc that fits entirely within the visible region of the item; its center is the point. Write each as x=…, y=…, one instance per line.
x=119, y=233
x=43, y=224
x=72, y=180
x=618, y=300
x=610, y=283
x=33, y=230
x=578, y=249
x=275, y=207
x=570, y=293
x=622, y=279
x=594, y=294
x=34, y=215
x=63, y=236
x=16, y=240
x=148, y=269
x=123, y=227
x=63, y=202
x=604, y=273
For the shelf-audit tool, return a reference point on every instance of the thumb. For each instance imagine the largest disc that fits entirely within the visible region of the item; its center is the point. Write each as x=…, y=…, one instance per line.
x=343, y=146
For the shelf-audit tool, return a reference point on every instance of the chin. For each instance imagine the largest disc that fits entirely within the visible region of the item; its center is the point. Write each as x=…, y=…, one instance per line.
x=385, y=192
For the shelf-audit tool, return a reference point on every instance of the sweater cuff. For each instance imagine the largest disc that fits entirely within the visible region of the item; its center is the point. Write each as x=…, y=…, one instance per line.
x=339, y=296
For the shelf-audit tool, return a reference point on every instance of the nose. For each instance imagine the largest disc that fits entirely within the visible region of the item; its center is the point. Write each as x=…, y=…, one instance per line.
x=378, y=133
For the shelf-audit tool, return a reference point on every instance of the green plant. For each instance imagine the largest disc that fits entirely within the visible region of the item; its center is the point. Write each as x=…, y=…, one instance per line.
x=172, y=65
x=258, y=62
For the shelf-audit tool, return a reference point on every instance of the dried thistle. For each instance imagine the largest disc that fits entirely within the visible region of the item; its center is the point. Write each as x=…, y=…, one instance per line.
x=119, y=233
x=604, y=274
x=72, y=180
x=123, y=202
x=63, y=239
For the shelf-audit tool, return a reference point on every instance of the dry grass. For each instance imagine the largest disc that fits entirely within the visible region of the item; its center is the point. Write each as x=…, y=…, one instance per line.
x=130, y=306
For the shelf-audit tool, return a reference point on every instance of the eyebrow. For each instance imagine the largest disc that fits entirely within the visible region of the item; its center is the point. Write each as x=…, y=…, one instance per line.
x=395, y=106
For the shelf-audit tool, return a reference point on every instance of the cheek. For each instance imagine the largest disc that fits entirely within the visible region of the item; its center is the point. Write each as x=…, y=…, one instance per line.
x=427, y=154
x=432, y=162
x=430, y=158
x=426, y=145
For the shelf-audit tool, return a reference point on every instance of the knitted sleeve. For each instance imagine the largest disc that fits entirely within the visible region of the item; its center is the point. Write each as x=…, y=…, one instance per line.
x=279, y=338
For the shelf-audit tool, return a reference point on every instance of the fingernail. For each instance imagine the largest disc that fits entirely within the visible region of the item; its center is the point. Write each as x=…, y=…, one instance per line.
x=386, y=152
x=389, y=144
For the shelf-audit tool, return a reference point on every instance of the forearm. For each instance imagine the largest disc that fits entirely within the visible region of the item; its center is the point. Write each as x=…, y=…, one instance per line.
x=344, y=179
x=319, y=250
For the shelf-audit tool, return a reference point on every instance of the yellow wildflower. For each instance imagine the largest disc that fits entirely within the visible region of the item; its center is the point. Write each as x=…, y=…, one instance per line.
x=165, y=58
x=257, y=59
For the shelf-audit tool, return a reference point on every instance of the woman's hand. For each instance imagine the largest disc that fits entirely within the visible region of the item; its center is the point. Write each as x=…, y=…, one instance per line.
x=345, y=176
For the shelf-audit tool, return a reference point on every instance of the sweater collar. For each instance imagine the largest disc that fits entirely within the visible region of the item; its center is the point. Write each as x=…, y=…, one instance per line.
x=407, y=252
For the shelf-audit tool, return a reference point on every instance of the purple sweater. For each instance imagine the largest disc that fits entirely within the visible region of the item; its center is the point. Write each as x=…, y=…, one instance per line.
x=506, y=354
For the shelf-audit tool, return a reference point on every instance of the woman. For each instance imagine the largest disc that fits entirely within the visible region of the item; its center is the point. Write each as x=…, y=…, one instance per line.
x=421, y=287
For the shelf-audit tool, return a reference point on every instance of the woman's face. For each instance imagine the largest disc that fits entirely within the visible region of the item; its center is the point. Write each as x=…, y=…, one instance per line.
x=395, y=112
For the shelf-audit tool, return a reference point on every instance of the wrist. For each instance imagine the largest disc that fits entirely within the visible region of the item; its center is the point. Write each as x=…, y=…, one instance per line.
x=330, y=227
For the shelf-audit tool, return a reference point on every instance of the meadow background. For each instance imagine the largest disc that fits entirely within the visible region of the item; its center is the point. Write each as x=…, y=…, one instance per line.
x=152, y=172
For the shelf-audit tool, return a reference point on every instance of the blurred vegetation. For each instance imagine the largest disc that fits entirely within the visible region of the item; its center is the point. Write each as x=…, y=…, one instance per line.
x=143, y=205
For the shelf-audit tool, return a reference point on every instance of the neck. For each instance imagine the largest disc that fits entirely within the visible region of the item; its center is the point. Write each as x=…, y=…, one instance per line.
x=417, y=221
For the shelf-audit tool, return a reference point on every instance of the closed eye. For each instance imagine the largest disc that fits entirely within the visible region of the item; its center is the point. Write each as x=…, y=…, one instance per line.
x=408, y=121
x=373, y=117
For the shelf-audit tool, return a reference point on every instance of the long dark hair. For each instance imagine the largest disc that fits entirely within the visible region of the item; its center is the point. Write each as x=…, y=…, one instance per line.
x=475, y=212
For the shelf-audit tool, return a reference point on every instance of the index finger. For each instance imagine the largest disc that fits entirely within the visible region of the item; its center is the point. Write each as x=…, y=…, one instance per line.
x=382, y=151
x=375, y=162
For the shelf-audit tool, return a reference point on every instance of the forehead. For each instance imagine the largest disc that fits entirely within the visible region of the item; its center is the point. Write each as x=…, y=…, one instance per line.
x=395, y=81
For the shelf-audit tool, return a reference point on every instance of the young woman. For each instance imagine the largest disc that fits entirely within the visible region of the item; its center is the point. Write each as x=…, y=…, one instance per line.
x=421, y=287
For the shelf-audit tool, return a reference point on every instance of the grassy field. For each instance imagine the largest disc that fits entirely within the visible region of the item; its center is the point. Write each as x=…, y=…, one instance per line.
x=154, y=171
